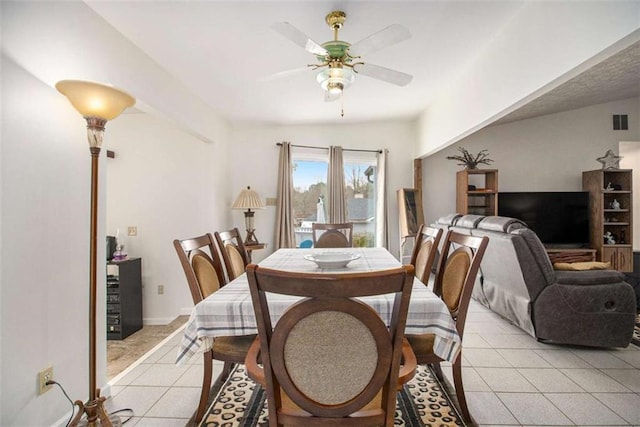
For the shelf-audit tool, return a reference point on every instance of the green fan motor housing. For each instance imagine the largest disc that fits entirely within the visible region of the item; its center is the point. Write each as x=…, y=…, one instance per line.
x=336, y=48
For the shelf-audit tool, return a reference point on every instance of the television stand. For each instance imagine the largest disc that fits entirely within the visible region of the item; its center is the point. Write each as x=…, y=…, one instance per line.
x=571, y=254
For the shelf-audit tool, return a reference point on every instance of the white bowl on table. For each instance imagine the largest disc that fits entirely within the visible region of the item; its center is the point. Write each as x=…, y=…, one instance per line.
x=332, y=259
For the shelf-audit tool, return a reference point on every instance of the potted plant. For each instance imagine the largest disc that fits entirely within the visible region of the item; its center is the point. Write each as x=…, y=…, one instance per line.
x=470, y=161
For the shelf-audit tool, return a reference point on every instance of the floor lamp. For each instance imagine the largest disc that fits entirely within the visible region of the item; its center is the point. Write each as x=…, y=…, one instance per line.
x=97, y=103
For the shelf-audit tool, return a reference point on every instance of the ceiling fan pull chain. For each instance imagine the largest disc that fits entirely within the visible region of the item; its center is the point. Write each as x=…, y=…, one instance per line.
x=342, y=104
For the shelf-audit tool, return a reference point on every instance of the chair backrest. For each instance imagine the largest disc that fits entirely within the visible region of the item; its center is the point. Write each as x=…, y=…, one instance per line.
x=330, y=354
x=201, y=264
x=459, y=265
x=233, y=252
x=424, y=251
x=332, y=235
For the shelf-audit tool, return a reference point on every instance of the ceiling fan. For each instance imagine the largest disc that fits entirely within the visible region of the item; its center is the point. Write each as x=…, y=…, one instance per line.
x=339, y=62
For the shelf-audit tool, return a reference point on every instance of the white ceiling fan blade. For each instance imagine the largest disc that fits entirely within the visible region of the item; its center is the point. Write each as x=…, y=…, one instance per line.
x=386, y=37
x=299, y=38
x=283, y=74
x=385, y=74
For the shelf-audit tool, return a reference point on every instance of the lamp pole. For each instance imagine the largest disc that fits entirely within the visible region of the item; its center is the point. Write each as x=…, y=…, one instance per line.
x=97, y=103
x=93, y=277
x=94, y=407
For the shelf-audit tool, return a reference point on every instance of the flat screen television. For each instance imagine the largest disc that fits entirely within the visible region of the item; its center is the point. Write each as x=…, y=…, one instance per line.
x=560, y=219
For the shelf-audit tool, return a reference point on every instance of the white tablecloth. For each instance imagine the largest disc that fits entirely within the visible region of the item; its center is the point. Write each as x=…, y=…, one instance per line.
x=229, y=311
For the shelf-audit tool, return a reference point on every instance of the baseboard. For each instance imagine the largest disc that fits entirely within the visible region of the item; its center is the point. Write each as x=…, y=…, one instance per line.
x=157, y=321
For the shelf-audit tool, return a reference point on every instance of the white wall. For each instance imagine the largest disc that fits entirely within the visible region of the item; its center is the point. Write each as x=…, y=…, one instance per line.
x=170, y=185
x=45, y=189
x=56, y=40
x=546, y=153
x=255, y=156
x=162, y=180
x=524, y=60
x=68, y=40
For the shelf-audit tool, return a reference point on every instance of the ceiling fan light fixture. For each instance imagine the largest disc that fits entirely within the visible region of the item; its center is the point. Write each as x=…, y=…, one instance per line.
x=335, y=88
x=337, y=58
x=335, y=80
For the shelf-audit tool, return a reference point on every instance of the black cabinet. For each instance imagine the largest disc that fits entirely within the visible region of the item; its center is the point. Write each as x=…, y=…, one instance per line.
x=124, y=298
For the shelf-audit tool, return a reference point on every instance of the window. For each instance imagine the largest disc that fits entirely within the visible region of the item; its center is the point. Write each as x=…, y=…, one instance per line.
x=360, y=183
x=309, y=190
x=310, y=193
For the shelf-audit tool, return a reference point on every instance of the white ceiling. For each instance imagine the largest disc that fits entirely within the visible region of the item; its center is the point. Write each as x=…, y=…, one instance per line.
x=221, y=50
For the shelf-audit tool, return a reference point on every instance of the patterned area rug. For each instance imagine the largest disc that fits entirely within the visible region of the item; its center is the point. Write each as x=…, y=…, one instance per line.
x=239, y=402
x=636, y=332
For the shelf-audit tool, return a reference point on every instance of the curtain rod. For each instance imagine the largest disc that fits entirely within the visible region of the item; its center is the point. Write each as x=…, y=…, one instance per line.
x=326, y=148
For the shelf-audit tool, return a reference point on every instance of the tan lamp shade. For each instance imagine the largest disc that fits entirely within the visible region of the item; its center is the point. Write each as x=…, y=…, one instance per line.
x=95, y=99
x=248, y=199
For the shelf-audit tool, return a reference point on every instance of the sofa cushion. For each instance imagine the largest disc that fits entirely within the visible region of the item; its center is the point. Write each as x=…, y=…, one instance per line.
x=582, y=266
x=450, y=219
x=469, y=221
x=501, y=223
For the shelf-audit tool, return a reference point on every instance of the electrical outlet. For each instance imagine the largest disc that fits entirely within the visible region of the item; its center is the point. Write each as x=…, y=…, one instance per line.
x=271, y=201
x=43, y=376
x=160, y=289
x=132, y=231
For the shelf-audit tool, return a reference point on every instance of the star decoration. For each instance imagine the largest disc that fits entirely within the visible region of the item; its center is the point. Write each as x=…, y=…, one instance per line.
x=610, y=160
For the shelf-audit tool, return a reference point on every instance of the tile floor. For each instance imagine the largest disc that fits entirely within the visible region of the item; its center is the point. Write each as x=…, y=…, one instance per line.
x=510, y=380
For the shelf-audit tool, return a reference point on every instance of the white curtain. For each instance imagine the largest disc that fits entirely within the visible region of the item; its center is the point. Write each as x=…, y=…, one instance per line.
x=335, y=186
x=382, y=203
x=285, y=237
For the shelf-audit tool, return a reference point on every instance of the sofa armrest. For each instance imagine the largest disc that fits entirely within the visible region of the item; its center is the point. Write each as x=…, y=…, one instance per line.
x=589, y=277
x=597, y=315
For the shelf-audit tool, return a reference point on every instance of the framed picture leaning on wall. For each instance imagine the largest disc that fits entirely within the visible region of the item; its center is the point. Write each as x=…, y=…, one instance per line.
x=410, y=211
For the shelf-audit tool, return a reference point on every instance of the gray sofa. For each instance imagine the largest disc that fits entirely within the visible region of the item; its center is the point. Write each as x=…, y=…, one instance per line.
x=517, y=281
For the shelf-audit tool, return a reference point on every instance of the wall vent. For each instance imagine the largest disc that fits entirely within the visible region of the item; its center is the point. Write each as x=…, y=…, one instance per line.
x=620, y=122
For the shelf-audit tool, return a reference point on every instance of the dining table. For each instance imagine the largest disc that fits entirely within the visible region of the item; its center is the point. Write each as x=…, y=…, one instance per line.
x=229, y=310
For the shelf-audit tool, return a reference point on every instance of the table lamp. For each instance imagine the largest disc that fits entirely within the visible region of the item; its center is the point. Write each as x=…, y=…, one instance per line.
x=248, y=199
x=97, y=103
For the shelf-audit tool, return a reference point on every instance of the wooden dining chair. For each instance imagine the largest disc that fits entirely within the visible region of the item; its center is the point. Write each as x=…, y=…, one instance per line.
x=203, y=269
x=332, y=235
x=234, y=254
x=425, y=252
x=330, y=359
x=459, y=265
